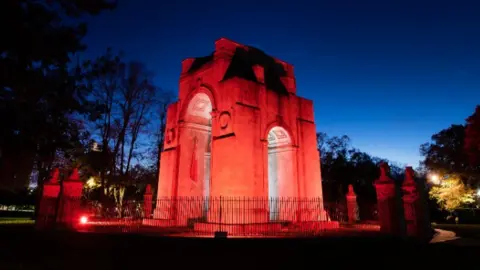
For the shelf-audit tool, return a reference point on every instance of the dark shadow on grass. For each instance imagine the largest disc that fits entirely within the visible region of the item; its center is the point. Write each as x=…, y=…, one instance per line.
x=67, y=250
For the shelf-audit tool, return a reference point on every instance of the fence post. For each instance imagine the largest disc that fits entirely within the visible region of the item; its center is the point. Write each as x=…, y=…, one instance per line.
x=416, y=218
x=220, y=233
x=69, y=210
x=147, y=202
x=389, y=213
x=352, y=206
x=48, y=201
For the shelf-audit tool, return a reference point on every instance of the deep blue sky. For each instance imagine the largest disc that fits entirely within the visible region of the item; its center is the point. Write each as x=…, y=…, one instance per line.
x=388, y=74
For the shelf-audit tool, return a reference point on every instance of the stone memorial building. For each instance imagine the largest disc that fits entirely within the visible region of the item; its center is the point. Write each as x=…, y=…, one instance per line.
x=238, y=129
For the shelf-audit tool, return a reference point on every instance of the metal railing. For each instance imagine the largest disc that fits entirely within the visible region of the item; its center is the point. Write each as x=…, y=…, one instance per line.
x=198, y=216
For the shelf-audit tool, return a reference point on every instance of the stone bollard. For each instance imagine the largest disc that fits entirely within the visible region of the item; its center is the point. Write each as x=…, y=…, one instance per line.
x=48, y=202
x=70, y=201
x=147, y=202
x=352, y=206
x=388, y=201
x=416, y=216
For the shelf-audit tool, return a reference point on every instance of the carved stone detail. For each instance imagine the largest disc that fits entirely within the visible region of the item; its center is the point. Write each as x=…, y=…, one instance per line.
x=224, y=120
x=170, y=135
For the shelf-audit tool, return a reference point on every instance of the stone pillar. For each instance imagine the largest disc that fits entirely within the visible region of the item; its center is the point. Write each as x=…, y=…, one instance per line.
x=352, y=206
x=416, y=220
x=147, y=202
x=70, y=201
x=48, y=202
x=389, y=212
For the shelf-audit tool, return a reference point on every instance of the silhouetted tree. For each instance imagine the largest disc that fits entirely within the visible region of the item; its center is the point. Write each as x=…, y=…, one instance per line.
x=334, y=165
x=343, y=165
x=38, y=94
x=162, y=103
x=321, y=144
x=446, y=154
x=472, y=139
x=125, y=101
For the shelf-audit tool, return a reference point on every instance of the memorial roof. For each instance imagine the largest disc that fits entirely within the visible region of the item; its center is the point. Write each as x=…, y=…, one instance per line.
x=243, y=60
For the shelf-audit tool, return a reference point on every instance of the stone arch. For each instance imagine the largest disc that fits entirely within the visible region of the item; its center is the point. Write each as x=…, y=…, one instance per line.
x=281, y=172
x=277, y=124
x=199, y=110
x=278, y=136
x=205, y=90
x=197, y=132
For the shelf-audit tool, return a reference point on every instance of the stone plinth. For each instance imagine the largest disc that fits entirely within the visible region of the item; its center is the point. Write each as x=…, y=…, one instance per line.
x=311, y=210
x=273, y=228
x=312, y=214
x=352, y=206
x=164, y=212
x=389, y=213
x=238, y=229
x=159, y=222
x=70, y=200
x=48, y=202
x=147, y=202
x=416, y=216
x=239, y=216
x=313, y=226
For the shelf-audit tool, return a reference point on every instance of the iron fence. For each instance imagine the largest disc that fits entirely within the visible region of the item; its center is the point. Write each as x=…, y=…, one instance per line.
x=198, y=216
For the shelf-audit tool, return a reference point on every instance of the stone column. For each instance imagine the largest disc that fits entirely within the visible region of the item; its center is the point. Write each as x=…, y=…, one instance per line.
x=147, y=202
x=389, y=212
x=352, y=206
x=417, y=224
x=70, y=202
x=48, y=202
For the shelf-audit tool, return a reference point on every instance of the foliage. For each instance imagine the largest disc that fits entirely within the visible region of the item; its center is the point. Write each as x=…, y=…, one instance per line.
x=342, y=165
x=452, y=193
x=446, y=155
x=128, y=122
x=37, y=87
x=19, y=198
x=160, y=113
x=472, y=139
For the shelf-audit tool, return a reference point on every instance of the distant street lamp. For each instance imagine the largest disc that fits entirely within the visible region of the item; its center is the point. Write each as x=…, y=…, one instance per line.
x=435, y=179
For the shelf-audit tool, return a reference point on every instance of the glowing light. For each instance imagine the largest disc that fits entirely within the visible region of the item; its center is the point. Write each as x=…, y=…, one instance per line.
x=435, y=179
x=83, y=220
x=478, y=192
x=91, y=183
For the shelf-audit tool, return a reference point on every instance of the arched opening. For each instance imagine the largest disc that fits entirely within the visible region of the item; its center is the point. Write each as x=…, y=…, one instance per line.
x=280, y=170
x=198, y=121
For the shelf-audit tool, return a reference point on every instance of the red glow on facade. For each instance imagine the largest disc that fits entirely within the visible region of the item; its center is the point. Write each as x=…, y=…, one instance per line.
x=235, y=135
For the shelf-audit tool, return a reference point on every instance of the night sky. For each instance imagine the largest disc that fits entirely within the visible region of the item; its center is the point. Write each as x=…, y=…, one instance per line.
x=388, y=74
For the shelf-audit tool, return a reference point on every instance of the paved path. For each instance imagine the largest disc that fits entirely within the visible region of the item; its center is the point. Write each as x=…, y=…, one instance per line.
x=443, y=236
x=450, y=237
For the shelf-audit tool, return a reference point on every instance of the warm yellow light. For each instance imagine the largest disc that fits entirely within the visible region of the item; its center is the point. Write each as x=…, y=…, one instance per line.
x=435, y=179
x=91, y=182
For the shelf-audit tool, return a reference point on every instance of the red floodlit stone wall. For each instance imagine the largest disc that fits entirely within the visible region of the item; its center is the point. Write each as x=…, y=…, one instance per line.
x=217, y=137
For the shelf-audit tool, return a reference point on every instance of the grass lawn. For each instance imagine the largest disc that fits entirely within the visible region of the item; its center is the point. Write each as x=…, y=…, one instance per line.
x=16, y=220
